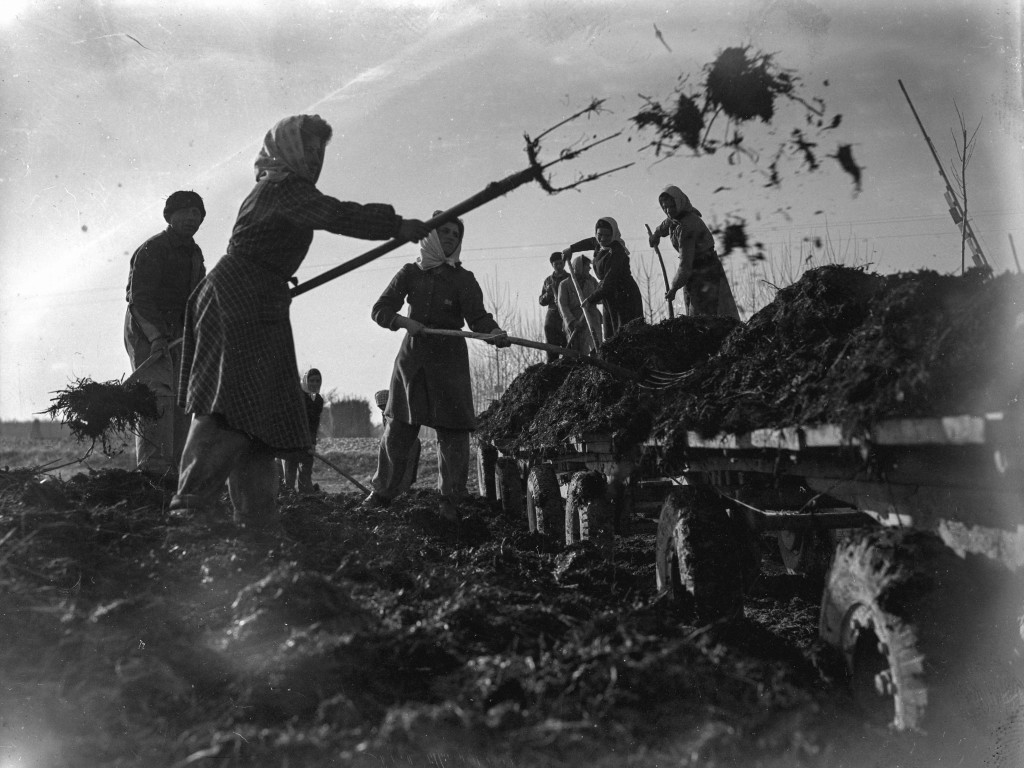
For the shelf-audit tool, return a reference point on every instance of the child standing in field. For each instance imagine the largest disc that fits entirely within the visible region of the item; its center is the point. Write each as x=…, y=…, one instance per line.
x=314, y=404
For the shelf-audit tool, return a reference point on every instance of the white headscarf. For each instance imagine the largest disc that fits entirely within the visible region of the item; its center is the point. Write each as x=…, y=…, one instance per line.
x=284, y=153
x=432, y=252
x=615, y=231
x=683, y=203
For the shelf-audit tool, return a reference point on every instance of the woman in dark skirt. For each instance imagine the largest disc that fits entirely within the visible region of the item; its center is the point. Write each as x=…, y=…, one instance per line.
x=239, y=376
x=617, y=290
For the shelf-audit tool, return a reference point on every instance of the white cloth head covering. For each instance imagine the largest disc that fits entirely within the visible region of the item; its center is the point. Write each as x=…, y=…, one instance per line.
x=432, y=252
x=609, y=221
x=577, y=260
x=683, y=203
x=284, y=153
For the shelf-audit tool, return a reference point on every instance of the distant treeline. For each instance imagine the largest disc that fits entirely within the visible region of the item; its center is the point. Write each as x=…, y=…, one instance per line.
x=37, y=429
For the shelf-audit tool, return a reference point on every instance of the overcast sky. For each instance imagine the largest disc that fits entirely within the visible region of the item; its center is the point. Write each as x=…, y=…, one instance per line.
x=108, y=107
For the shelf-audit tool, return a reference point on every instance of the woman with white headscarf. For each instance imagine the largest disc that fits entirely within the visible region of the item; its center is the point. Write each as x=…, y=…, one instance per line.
x=616, y=289
x=582, y=324
x=239, y=376
x=430, y=385
x=700, y=274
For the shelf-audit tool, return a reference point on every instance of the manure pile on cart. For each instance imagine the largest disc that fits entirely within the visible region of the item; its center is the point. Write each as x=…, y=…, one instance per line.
x=551, y=402
x=847, y=347
x=841, y=345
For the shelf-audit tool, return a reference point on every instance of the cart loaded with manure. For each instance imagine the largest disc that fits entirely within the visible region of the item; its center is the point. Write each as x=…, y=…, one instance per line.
x=872, y=426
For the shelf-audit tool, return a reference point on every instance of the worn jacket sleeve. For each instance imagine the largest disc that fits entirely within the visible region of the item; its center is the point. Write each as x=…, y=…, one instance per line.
x=547, y=296
x=663, y=229
x=307, y=207
x=586, y=244
x=616, y=274
x=471, y=299
x=144, y=287
x=387, y=307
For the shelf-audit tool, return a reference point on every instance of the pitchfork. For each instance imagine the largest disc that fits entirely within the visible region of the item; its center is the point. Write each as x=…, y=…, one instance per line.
x=648, y=379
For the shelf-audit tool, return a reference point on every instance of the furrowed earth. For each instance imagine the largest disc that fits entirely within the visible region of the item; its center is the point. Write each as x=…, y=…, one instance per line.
x=394, y=638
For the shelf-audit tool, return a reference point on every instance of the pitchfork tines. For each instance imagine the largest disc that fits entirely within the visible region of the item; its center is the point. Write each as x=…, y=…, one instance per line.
x=657, y=379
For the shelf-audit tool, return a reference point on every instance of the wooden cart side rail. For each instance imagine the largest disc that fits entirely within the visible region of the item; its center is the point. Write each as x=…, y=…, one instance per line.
x=992, y=428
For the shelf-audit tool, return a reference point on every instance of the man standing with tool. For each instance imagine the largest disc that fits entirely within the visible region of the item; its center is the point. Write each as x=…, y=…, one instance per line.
x=163, y=272
x=554, y=330
x=240, y=378
x=430, y=384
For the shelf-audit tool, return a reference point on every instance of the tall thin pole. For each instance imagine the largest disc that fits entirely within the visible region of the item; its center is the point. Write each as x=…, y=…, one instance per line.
x=959, y=217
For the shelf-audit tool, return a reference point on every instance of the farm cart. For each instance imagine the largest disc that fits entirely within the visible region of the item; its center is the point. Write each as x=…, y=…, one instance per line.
x=915, y=525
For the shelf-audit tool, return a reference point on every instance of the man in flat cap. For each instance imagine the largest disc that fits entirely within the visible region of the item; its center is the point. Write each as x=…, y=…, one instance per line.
x=163, y=272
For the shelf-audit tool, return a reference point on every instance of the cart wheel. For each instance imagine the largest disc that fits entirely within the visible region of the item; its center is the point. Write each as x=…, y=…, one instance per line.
x=544, y=508
x=806, y=553
x=588, y=513
x=908, y=615
x=698, y=557
x=509, y=484
x=486, y=457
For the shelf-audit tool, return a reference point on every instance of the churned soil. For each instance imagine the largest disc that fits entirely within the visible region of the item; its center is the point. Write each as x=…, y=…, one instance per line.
x=389, y=637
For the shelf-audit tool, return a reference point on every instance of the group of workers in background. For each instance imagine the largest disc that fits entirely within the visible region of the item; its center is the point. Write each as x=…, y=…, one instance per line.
x=571, y=296
x=226, y=373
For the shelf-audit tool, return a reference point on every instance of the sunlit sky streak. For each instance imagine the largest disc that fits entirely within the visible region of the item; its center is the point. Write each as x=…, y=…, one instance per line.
x=108, y=107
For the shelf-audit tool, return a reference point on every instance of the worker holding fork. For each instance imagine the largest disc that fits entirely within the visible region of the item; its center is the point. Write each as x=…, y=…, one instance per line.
x=162, y=274
x=430, y=384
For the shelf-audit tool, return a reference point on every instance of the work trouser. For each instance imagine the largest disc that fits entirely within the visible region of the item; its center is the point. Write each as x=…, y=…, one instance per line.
x=215, y=453
x=397, y=449
x=303, y=467
x=554, y=333
x=159, y=442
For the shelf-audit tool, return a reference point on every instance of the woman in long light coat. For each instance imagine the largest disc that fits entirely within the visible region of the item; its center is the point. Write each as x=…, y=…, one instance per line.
x=582, y=320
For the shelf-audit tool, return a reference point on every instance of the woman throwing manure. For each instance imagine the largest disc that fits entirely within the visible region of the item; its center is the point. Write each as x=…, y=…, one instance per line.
x=616, y=289
x=700, y=274
x=239, y=376
x=430, y=384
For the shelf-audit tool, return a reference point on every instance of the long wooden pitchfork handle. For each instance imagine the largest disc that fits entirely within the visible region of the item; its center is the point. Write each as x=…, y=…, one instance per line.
x=664, y=272
x=617, y=370
x=148, y=362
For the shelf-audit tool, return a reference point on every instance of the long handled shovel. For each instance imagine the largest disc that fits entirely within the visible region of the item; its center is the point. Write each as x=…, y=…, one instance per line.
x=343, y=473
x=583, y=309
x=617, y=370
x=664, y=272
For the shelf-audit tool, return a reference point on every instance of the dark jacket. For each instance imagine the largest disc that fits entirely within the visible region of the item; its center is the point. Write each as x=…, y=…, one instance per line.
x=430, y=384
x=163, y=272
x=616, y=290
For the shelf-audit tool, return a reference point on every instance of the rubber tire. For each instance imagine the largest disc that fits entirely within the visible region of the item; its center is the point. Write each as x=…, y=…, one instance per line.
x=588, y=512
x=486, y=456
x=903, y=610
x=545, y=511
x=698, y=557
x=509, y=484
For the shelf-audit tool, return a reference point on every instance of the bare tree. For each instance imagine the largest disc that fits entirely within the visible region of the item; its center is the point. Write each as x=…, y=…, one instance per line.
x=964, y=151
x=493, y=369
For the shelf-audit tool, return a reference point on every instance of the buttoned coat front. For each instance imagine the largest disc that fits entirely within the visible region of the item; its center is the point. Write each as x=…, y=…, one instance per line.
x=430, y=384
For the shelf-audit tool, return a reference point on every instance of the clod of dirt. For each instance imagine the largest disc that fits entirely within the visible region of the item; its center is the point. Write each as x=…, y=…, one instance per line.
x=290, y=597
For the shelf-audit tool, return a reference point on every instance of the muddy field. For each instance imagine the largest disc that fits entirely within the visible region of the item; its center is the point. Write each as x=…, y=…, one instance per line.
x=393, y=638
